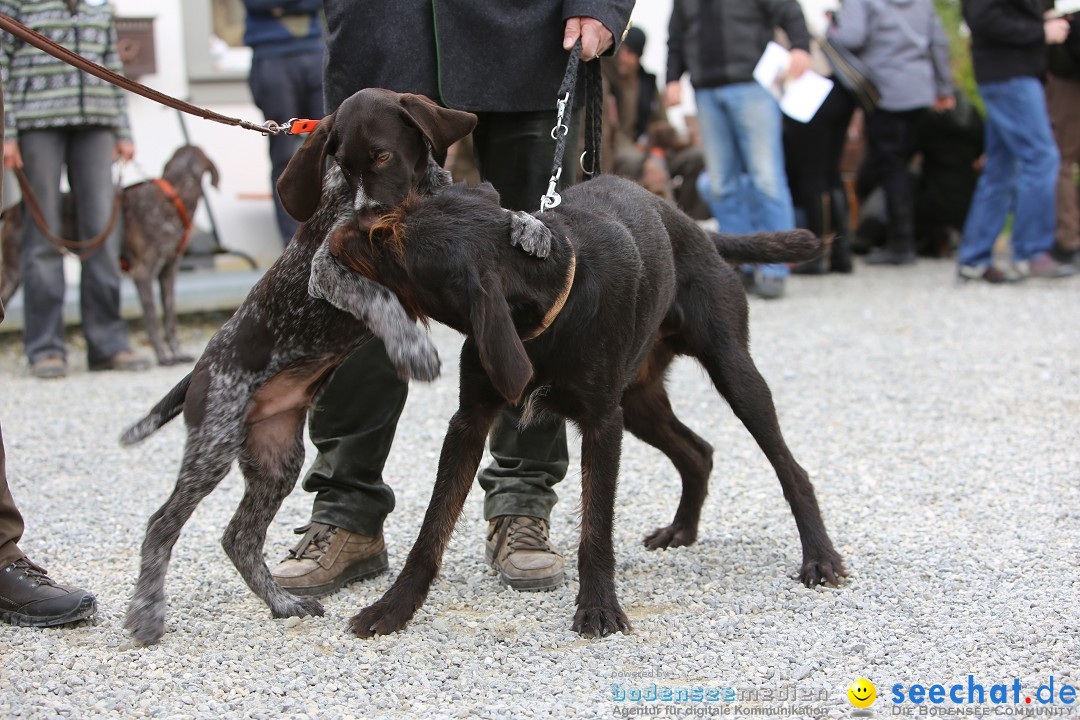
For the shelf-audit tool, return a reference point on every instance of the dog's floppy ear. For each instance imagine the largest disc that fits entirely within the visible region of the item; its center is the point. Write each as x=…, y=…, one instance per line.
x=300, y=184
x=441, y=126
x=501, y=351
x=210, y=167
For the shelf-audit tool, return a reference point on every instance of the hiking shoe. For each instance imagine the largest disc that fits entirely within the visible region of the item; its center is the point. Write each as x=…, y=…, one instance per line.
x=49, y=368
x=328, y=558
x=519, y=549
x=1044, y=266
x=28, y=596
x=124, y=361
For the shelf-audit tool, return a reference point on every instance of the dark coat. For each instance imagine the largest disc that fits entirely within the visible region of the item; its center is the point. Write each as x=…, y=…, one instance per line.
x=1007, y=38
x=482, y=56
x=720, y=41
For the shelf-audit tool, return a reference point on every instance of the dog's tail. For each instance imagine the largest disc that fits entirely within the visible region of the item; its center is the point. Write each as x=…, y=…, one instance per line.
x=791, y=246
x=168, y=408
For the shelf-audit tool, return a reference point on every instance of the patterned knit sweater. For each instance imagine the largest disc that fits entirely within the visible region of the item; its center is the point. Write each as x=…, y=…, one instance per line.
x=43, y=92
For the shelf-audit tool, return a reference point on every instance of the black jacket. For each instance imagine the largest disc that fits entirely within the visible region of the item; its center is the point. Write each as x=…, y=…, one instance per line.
x=720, y=41
x=480, y=55
x=1007, y=38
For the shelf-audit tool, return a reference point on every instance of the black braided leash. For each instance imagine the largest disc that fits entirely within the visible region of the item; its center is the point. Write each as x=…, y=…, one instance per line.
x=594, y=104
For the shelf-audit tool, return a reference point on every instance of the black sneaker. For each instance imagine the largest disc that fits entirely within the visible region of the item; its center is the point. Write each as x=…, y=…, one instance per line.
x=28, y=596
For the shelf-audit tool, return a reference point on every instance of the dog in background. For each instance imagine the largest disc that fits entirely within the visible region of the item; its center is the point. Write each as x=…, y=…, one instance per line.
x=630, y=283
x=157, y=223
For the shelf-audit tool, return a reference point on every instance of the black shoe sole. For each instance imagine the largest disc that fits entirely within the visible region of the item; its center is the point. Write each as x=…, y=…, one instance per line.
x=85, y=609
x=374, y=565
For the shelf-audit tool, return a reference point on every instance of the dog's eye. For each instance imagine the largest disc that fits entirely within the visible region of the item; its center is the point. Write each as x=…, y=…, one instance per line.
x=382, y=158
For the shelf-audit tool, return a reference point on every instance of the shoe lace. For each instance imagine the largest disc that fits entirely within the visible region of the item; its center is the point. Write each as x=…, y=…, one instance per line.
x=522, y=532
x=314, y=543
x=37, y=574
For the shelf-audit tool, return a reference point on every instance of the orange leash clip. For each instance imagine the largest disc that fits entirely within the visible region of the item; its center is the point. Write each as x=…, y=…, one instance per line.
x=297, y=126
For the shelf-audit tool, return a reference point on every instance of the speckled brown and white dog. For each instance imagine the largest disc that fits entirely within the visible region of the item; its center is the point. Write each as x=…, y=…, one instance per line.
x=248, y=395
x=154, y=232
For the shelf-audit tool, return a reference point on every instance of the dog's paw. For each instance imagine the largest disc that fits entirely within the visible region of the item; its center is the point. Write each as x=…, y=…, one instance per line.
x=417, y=359
x=146, y=621
x=826, y=569
x=601, y=621
x=297, y=607
x=673, y=536
x=530, y=234
x=382, y=618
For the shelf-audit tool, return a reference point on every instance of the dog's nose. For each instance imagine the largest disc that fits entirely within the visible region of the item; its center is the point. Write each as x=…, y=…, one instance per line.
x=366, y=218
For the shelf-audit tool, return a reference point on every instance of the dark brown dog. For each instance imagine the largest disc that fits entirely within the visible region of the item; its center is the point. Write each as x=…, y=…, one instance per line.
x=155, y=229
x=587, y=334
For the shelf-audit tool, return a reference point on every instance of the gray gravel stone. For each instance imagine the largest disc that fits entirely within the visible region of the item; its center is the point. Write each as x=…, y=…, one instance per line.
x=937, y=422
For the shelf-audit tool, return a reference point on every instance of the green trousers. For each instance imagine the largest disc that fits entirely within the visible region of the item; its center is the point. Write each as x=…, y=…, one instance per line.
x=354, y=421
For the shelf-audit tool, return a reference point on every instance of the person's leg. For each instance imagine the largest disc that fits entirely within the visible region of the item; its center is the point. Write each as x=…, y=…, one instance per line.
x=352, y=425
x=89, y=158
x=1063, y=103
x=28, y=596
x=723, y=165
x=41, y=264
x=756, y=123
x=891, y=137
x=1028, y=135
x=514, y=152
x=277, y=87
x=11, y=522
x=994, y=190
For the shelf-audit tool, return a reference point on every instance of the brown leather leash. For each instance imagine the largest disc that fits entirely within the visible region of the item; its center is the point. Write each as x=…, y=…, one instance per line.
x=82, y=249
x=292, y=127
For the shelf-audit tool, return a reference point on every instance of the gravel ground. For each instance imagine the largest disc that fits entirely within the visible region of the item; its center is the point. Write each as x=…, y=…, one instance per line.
x=939, y=425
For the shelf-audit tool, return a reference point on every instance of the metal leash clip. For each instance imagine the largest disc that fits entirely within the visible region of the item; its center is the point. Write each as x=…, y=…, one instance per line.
x=559, y=124
x=293, y=126
x=551, y=199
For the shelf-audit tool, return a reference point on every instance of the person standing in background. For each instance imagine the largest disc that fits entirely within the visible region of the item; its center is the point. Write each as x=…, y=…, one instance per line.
x=286, y=40
x=904, y=47
x=1008, y=50
x=59, y=117
x=719, y=43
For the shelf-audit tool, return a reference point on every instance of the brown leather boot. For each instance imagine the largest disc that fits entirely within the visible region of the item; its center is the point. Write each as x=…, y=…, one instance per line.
x=328, y=558
x=28, y=596
x=519, y=548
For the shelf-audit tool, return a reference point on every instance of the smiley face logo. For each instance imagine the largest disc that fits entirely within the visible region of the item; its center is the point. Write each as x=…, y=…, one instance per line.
x=862, y=693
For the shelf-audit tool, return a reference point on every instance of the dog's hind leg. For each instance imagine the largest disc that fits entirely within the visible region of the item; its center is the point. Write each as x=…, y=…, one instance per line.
x=648, y=415
x=599, y=612
x=203, y=467
x=270, y=459
x=733, y=372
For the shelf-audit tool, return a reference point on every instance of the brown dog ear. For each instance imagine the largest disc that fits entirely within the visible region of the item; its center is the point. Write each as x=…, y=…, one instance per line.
x=501, y=351
x=441, y=126
x=300, y=184
x=210, y=167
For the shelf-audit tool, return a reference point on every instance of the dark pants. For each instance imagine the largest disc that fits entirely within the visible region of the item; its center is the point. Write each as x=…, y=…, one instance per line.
x=356, y=416
x=87, y=153
x=285, y=87
x=11, y=522
x=891, y=142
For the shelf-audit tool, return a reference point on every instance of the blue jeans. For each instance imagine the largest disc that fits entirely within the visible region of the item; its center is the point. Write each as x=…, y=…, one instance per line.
x=1021, y=167
x=742, y=136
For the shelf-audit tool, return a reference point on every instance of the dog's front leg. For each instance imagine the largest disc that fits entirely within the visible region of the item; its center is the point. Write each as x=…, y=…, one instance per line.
x=409, y=348
x=598, y=612
x=461, y=453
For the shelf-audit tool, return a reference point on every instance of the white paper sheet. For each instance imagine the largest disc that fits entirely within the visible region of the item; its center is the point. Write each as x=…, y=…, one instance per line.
x=799, y=99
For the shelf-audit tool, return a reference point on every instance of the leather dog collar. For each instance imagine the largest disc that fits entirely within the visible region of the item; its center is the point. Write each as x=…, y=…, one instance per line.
x=557, y=306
